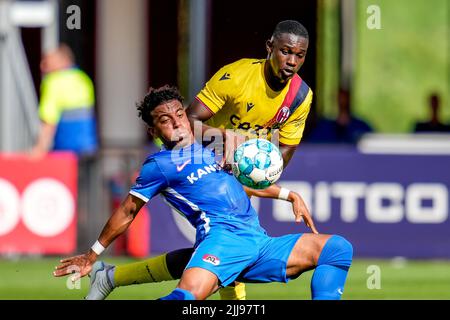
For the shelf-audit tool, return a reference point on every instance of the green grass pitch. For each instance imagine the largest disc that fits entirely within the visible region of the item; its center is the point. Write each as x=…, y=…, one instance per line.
x=23, y=279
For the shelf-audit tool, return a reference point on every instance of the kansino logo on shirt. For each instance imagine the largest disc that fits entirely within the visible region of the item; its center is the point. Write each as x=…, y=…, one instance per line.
x=203, y=171
x=211, y=259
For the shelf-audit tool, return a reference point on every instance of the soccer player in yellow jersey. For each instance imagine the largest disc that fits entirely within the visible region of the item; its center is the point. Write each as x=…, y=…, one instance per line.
x=256, y=97
x=252, y=97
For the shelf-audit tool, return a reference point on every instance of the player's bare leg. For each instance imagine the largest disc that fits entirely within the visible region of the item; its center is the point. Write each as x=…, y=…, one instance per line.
x=330, y=255
x=305, y=253
x=196, y=283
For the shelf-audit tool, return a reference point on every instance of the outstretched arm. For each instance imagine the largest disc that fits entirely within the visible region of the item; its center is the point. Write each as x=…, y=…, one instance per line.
x=117, y=224
x=301, y=212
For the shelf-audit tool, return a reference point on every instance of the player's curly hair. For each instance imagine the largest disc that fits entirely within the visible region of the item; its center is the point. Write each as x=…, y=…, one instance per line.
x=154, y=98
x=290, y=26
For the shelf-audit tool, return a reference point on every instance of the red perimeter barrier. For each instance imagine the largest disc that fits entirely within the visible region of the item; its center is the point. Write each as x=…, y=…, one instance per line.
x=38, y=211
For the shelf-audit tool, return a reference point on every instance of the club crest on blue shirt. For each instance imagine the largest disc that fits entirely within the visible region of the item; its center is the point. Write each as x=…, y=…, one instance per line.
x=211, y=259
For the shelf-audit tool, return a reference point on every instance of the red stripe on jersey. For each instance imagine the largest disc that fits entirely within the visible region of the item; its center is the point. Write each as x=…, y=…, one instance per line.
x=294, y=86
x=203, y=104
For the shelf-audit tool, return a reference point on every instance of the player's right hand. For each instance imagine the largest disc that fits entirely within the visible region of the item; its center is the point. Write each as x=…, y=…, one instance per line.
x=301, y=211
x=77, y=266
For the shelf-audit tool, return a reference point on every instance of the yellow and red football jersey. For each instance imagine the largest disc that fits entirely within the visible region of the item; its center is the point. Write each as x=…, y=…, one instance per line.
x=241, y=99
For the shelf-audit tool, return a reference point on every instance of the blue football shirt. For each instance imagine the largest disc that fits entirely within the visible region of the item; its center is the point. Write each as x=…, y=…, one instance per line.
x=193, y=183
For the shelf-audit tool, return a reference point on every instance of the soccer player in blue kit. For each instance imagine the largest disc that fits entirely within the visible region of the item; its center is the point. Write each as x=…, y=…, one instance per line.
x=230, y=243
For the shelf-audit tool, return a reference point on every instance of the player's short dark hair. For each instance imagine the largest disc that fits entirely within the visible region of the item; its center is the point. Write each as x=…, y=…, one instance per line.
x=290, y=26
x=154, y=98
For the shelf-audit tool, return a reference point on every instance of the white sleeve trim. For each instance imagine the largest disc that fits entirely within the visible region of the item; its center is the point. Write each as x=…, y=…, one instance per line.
x=140, y=196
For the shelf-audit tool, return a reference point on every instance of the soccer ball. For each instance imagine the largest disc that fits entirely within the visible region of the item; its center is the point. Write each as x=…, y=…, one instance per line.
x=257, y=163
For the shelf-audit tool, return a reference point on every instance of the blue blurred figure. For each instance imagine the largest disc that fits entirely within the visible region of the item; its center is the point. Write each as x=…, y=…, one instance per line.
x=345, y=129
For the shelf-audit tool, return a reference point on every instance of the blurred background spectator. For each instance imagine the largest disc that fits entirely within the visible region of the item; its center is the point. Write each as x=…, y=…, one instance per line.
x=346, y=128
x=66, y=107
x=434, y=124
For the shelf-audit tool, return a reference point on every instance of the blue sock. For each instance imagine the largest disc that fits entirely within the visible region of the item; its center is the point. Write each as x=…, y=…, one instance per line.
x=329, y=277
x=179, y=294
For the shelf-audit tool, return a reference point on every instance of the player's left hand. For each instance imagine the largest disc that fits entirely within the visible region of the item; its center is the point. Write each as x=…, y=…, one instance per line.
x=301, y=212
x=79, y=266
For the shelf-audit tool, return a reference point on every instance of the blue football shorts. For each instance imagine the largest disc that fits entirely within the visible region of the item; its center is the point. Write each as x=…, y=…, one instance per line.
x=244, y=255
